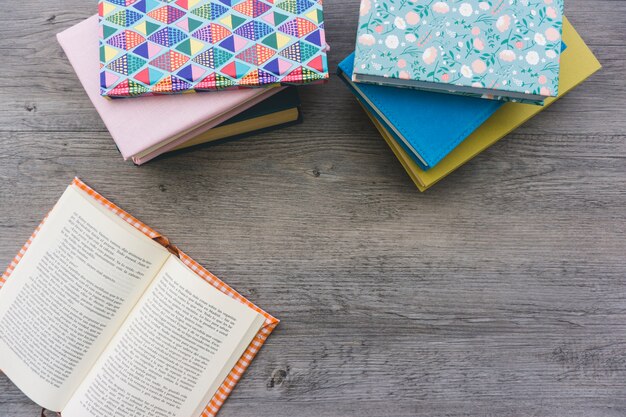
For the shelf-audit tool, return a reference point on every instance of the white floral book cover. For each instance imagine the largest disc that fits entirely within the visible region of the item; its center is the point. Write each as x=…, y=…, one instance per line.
x=498, y=49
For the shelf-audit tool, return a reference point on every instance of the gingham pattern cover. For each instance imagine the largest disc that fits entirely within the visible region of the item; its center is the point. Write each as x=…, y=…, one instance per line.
x=240, y=367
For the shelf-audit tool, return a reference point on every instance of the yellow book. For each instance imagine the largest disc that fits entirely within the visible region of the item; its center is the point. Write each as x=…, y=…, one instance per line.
x=577, y=64
x=243, y=127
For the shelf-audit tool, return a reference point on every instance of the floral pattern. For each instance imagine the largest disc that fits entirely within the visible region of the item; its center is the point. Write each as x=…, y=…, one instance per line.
x=502, y=45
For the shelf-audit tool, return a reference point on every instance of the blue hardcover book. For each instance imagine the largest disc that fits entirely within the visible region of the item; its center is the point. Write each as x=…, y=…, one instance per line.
x=427, y=125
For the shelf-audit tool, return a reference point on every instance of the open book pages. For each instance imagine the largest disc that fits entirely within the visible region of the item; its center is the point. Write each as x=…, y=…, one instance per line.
x=97, y=317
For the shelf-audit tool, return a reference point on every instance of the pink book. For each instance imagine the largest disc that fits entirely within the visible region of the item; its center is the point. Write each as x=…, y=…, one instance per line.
x=144, y=128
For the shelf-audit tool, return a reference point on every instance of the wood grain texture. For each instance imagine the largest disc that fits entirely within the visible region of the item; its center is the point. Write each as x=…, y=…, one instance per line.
x=500, y=292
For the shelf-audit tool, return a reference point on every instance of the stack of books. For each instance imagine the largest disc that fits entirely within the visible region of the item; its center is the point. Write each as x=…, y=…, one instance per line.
x=140, y=61
x=444, y=80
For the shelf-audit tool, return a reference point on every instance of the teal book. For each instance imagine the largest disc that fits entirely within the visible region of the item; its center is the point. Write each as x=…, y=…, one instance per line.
x=498, y=49
x=281, y=101
x=427, y=125
x=278, y=111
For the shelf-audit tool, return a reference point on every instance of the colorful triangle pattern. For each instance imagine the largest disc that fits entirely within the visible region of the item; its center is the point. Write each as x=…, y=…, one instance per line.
x=172, y=46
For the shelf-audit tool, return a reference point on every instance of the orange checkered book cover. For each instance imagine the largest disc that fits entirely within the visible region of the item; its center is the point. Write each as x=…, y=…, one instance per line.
x=244, y=361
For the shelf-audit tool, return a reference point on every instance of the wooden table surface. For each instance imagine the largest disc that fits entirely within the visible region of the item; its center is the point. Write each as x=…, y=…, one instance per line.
x=500, y=292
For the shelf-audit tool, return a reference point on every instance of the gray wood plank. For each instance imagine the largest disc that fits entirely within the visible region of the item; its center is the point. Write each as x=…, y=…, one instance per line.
x=498, y=292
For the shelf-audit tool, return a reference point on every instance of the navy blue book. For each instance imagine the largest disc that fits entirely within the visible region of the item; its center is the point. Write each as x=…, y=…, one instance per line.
x=427, y=125
x=278, y=111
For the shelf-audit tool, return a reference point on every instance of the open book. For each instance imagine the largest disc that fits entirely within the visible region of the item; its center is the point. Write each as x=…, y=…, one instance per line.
x=101, y=316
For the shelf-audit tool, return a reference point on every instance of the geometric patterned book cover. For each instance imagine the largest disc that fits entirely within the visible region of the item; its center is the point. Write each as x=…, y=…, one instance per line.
x=500, y=49
x=173, y=46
